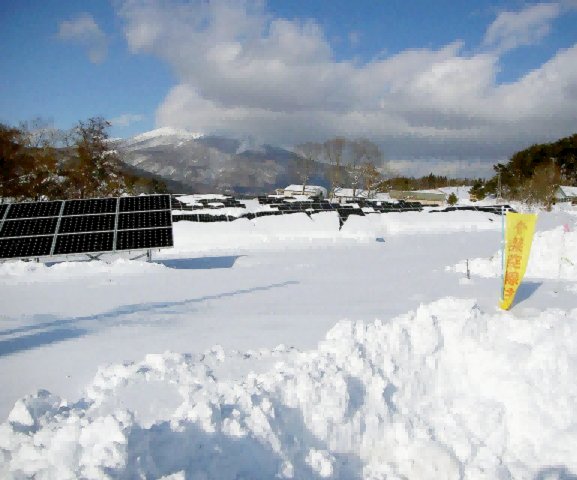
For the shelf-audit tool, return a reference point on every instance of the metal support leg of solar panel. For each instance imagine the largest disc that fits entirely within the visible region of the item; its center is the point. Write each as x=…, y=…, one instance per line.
x=90, y=227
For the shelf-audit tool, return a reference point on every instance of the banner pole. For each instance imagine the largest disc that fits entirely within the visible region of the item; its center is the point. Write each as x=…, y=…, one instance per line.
x=502, y=252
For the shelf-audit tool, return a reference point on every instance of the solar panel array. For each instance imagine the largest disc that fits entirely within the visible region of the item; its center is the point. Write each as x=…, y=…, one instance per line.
x=90, y=226
x=495, y=209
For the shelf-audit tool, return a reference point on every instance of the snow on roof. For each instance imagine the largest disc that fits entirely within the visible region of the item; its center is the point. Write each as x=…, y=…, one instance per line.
x=348, y=192
x=310, y=189
x=569, y=191
x=423, y=195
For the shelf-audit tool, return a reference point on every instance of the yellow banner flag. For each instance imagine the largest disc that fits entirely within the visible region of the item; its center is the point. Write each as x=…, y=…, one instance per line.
x=518, y=239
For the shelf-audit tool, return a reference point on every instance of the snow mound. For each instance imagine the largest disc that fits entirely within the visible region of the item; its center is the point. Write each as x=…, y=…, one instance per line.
x=412, y=223
x=39, y=272
x=446, y=392
x=553, y=255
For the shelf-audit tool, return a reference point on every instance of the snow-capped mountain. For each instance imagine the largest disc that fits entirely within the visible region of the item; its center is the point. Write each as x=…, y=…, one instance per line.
x=160, y=136
x=207, y=163
x=250, y=144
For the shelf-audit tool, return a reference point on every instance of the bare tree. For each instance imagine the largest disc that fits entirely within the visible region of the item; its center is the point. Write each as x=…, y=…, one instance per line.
x=363, y=153
x=358, y=153
x=334, y=150
x=40, y=141
x=371, y=179
x=307, y=153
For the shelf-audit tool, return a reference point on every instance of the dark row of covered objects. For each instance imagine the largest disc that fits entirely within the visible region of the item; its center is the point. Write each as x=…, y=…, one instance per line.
x=496, y=209
x=212, y=203
x=84, y=207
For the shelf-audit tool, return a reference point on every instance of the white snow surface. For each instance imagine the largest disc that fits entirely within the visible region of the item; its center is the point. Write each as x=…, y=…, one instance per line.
x=165, y=131
x=220, y=366
x=553, y=256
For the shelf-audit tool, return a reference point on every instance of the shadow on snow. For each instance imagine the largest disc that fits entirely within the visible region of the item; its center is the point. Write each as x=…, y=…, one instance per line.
x=27, y=342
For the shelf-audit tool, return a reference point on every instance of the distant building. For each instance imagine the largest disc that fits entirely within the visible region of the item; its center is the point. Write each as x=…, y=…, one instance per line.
x=344, y=194
x=425, y=198
x=310, y=191
x=566, y=194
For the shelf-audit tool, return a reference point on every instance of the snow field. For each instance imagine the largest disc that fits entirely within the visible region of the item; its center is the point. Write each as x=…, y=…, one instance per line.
x=443, y=392
x=553, y=256
x=298, y=230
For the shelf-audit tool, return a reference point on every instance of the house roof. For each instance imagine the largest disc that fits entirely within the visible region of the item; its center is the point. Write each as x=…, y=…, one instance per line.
x=568, y=191
x=309, y=189
x=348, y=192
x=439, y=196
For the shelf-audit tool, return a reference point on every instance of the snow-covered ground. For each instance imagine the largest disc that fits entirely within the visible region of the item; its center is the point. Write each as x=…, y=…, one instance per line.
x=287, y=348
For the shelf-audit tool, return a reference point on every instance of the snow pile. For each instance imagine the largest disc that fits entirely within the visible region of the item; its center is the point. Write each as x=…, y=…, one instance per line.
x=446, y=392
x=20, y=271
x=290, y=231
x=297, y=228
x=420, y=222
x=553, y=255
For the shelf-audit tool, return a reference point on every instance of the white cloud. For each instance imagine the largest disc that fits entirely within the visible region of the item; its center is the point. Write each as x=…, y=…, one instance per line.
x=511, y=29
x=242, y=72
x=126, y=119
x=85, y=31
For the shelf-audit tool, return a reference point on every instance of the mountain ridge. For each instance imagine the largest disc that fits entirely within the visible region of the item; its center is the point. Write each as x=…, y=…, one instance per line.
x=210, y=163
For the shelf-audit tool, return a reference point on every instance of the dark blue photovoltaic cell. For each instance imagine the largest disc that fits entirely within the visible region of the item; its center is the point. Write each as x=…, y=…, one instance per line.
x=85, y=226
x=30, y=227
x=138, y=204
x=160, y=218
x=88, y=223
x=84, y=243
x=38, y=209
x=90, y=206
x=26, y=247
x=144, y=239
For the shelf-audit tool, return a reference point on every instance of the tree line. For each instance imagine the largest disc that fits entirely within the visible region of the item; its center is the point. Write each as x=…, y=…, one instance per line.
x=533, y=175
x=39, y=163
x=359, y=164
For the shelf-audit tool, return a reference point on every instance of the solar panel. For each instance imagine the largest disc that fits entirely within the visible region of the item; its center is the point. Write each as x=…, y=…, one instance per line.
x=90, y=206
x=89, y=223
x=26, y=247
x=30, y=227
x=160, y=218
x=144, y=239
x=84, y=243
x=152, y=202
x=31, y=210
x=86, y=226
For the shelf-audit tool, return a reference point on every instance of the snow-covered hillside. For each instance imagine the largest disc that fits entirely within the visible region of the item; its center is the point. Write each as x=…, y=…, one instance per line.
x=293, y=349
x=160, y=136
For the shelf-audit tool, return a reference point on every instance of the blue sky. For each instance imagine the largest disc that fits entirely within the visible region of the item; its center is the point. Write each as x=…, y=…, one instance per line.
x=434, y=83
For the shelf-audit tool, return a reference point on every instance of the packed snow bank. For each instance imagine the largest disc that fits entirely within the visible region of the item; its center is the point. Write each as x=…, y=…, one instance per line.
x=553, y=256
x=20, y=271
x=397, y=223
x=446, y=392
x=298, y=228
